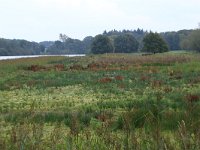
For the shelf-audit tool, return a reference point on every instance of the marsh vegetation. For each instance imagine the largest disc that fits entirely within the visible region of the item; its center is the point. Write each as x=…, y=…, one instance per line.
x=110, y=101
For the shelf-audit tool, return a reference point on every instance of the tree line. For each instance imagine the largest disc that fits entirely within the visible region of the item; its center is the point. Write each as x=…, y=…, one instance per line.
x=20, y=47
x=67, y=45
x=128, y=41
x=125, y=41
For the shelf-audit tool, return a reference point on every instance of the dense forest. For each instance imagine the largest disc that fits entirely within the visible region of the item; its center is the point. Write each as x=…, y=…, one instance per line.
x=175, y=40
x=68, y=45
x=179, y=40
x=20, y=47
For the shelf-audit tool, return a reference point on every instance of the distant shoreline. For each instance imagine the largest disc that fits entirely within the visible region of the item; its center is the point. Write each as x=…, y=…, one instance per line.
x=32, y=56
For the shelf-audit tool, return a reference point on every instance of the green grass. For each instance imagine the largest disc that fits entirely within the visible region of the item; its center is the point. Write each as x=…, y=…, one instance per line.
x=112, y=101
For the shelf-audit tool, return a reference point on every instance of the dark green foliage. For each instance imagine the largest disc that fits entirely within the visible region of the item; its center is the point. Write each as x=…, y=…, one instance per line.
x=175, y=40
x=84, y=118
x=125, y=44
x=69, y=46
x=87, y=41
x=19, y=47
x=101, y=45
x=180, y=40
x=184, y=36
x=154, y=43
x=172, y=39
x=195, y=40
x=59, y=45
x=138, y=34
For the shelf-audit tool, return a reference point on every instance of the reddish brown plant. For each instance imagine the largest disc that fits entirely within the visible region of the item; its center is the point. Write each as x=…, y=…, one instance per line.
x=76, y=67
x=120, y=78
x=59, y=67
x=105, y=80
x=192, y=98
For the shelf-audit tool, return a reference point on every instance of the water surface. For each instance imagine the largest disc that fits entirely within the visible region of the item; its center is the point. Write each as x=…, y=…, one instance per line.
x=31, y=56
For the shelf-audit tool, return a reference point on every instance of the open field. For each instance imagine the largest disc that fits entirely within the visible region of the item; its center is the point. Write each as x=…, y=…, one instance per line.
x=102, y=102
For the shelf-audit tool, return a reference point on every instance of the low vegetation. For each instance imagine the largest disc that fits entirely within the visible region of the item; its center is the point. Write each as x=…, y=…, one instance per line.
x=111, y=101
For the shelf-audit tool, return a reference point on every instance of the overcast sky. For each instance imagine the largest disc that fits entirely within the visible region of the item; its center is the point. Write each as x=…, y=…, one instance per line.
x=39, y=20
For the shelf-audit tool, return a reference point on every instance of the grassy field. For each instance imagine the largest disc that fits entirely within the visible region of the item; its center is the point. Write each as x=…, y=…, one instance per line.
x=103, y=102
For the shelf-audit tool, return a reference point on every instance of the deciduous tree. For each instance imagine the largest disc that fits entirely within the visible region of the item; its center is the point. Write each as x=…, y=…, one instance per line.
x=154, y=43
x=101, y=44
x=125, y=44
x=195, y=40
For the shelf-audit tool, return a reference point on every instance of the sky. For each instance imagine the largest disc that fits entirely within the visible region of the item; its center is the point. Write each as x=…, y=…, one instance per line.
x=44, y=20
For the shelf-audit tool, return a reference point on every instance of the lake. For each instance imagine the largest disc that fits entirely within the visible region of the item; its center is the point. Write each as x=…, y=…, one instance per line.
x=31, y=56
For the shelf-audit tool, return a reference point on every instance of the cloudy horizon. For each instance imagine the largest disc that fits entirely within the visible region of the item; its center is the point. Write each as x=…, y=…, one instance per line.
x=44, y=20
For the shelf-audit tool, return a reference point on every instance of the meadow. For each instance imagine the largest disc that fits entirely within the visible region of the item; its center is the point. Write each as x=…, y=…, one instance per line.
x=101, y=102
